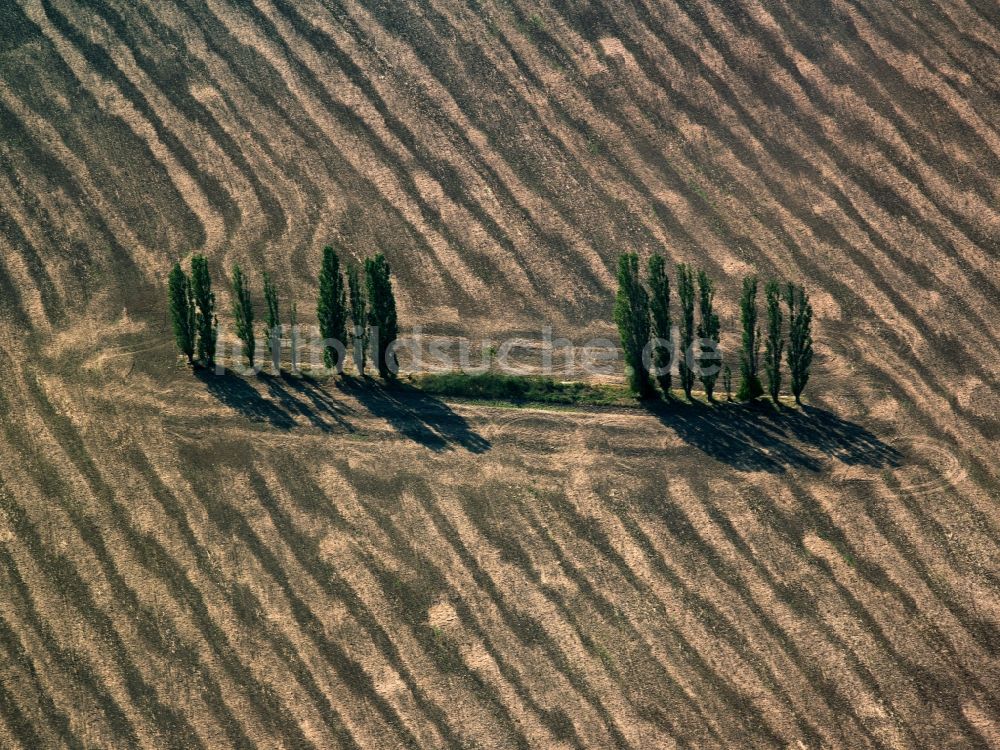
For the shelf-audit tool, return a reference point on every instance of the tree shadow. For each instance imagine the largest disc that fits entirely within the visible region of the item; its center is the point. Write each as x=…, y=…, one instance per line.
x=837, y=438
x=304, y=396
x=419, y=416
x=287, y=397
x=239, y=395
x=759, y=437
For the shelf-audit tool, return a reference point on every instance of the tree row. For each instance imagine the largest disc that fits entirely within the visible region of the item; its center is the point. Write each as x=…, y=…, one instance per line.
x=367, y=306
x=645, y=323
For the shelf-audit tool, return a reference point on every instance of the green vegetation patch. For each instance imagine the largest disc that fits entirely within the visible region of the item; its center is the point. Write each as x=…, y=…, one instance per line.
x=494, y=386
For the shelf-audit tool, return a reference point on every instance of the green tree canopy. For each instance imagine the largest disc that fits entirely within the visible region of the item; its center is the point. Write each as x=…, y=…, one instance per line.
x=182, y=312
x=800, y=349
x=685, y=291
x=659, y=309
x=750, y=386
x=631, y=315
x=243, y=313
x=206, y=324
x=708, y=333
x=272, y=321
x=382, y=313
x=272, y=317
x=359, y=318
x=293, y=324
x=774, y=342
x=331, y=308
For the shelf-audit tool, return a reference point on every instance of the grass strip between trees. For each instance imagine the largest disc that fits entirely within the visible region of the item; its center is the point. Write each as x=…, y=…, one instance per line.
x=494, y=386
x=538, y=389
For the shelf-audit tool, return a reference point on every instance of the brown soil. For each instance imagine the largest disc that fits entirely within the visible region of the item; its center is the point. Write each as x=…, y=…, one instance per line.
x=273, y=562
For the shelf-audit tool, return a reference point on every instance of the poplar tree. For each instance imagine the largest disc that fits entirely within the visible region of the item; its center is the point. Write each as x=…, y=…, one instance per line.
x=359, y=314
x=685, y=290
x=631, y=315
x=243, y=313
x=332, y=307
x=659, y=308
x=293, y=322
x=272, y=321
x=182, y=312
x=750, y=386
x=727, y=382
x=382, y=313
x=272, y=318
x=708, y=330
x=775, y=342
x=800, y=349
x=206, y=322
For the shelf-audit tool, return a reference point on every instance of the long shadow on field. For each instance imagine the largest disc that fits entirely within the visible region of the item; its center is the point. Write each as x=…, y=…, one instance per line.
x=303, y=396
x=238, y=394
x=415, y=414
x=287, y=397
x=759, y=437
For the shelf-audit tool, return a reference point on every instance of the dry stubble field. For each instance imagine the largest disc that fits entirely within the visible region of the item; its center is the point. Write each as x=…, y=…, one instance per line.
x=200, y=562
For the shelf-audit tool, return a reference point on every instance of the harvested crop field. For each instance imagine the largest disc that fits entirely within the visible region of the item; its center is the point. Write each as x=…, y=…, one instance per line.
x=198, y=561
